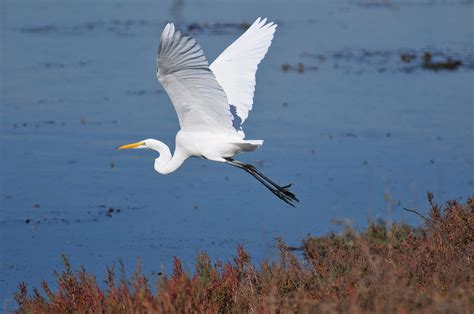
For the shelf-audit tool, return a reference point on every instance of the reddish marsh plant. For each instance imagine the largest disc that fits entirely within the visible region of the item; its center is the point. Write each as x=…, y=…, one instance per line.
x=383, y=269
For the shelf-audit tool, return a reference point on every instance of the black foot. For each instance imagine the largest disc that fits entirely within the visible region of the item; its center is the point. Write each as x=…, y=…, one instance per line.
x=286, y=195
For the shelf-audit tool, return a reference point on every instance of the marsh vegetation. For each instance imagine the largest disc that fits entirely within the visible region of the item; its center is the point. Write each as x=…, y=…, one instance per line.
x=386, y=268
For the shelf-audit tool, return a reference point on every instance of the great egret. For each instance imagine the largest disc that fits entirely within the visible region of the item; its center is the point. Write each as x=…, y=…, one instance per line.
x=212, y=102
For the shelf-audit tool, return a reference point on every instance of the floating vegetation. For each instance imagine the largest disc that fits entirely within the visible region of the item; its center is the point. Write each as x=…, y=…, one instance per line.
x=381, y=61
x=448, y=64
x=300, y=67
x=127, y=27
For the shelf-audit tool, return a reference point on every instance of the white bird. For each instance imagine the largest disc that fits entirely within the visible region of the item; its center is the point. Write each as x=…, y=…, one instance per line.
x=212, y=102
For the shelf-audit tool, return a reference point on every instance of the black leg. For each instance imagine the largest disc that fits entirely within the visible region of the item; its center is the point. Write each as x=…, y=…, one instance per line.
x=254, y=169
x=280, y=191
x=285, y=187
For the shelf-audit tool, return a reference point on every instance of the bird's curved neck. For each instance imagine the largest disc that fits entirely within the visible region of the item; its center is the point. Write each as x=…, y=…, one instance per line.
x=166, y=163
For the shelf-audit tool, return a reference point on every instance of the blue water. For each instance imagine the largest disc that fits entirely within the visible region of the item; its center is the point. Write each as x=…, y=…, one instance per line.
x=360, y=133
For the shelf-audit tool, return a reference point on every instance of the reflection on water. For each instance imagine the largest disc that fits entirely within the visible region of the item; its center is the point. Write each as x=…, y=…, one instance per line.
x=357, y=134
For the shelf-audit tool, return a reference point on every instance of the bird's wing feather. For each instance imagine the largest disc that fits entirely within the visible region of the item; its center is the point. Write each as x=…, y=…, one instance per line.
x=183, y=71
x=236, y=66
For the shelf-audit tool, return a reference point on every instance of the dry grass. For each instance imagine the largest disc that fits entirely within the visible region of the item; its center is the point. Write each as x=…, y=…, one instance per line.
x=385, y=269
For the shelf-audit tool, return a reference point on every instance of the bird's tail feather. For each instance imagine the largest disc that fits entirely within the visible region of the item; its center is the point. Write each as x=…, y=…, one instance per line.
x=249, y=145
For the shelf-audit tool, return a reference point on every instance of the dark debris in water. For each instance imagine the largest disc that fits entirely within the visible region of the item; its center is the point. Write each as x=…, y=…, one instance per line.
x=142, y=92
x=111, y=211
x=407, y=57
x=129, y=27
x=37, y=124
x=44, y=123
x=448, y=64
x=59, y=65
x=300, y=67
x=217, y=28
x=376, y=4
x=402, y=60
x=116, y=26
x=52, y=65
x=41, y=29
x=84, y=121
x=100, y=213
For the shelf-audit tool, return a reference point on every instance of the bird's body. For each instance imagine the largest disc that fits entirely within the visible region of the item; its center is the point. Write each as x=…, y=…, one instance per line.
x=215, y=147
x=203, y=97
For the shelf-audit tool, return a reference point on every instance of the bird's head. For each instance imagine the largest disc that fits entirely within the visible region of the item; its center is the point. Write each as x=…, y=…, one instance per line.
x=137, y=145
x=164, y=151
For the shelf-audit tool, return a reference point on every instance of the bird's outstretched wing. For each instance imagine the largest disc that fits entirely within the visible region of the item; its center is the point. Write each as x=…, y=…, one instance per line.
x=235, y=67
x=183, y=71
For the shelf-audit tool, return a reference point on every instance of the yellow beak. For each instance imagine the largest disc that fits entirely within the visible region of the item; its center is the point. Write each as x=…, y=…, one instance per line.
x=133, y=145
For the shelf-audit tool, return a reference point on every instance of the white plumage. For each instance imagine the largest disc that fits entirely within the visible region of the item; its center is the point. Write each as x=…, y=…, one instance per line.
x=203, y=95
x=184, y=73
x=235, y=68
